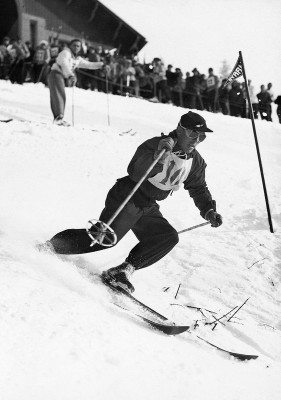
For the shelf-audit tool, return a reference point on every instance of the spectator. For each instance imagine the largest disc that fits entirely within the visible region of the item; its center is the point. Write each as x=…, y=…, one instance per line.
x=147, y=83
x=88, y=79
x=64, y=69
x=139, y=77
x=93, y=57
x=104, y=73
x=171, y=81
x=5, y=58
x=245, y=106
x=193, y=89
x=253, y=99
x=223, y=93
x=178, y=88
x=41, y=61
x=187, y=91
x=202, y=100
x=116, y=72
x=120, y=70
x=236, y=99
x=100, y=53
x=270, y=91
x=130, y=77
x=264, y=104
x=278, y=111
x=150, y=81
x=19, y=53
x=160, y=82
x=28, y=62
x=212, y=91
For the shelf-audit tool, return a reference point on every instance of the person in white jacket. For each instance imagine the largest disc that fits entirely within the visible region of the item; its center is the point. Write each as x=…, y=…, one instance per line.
x=62, y=72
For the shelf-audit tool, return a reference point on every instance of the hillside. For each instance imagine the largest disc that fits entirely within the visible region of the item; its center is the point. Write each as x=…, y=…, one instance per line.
x=61, y=338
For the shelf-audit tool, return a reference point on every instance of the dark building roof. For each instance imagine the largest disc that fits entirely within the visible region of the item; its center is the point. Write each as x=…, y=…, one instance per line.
x=117, y=32
x=74, y=18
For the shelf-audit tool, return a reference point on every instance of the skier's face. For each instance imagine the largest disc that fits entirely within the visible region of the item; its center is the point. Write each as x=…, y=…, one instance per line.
x=188, y=139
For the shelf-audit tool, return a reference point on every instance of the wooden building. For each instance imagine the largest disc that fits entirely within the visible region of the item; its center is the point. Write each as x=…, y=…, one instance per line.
x=37, y=20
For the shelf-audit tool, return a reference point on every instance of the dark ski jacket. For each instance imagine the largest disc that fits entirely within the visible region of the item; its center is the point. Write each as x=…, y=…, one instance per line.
x=148, y=193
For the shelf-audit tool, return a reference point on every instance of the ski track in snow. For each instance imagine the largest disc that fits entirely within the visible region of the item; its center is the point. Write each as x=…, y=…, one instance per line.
x=60, y=337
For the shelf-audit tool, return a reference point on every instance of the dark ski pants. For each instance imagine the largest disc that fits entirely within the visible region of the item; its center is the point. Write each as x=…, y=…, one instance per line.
x=57, y=93
x=156, y=236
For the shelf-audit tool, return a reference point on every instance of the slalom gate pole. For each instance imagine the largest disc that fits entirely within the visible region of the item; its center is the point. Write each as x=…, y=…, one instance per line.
x=72, y=105
x=194, y=227
x=133, y=191
x=257, y=145
x=107, y=97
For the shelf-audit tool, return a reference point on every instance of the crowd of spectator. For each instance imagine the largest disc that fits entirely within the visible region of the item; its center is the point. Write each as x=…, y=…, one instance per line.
x=126, y=75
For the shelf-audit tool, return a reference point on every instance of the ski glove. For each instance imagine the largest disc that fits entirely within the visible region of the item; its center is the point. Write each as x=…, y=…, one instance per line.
x=214, y=218
x=166, y=143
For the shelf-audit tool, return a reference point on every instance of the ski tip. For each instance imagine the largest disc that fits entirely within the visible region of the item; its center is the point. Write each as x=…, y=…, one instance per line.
x=6, y=120
x=239, y=356
x=167, y=329
x=243, y=357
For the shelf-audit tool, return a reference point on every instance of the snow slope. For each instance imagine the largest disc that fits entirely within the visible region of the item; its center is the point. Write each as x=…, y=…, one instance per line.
x=60, y=337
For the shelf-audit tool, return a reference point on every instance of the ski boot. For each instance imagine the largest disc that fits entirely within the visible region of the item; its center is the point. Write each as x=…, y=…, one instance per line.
x=118, y=277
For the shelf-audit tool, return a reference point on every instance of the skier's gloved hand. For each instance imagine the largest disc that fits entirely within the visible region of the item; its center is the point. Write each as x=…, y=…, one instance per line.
x=72, y=80
x=167, y=144
x=214, y=218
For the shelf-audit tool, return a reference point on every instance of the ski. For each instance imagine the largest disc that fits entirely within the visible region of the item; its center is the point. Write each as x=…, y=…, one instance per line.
x=240, y=356
x=45, y=123
x=167, y=329
x=130, y=132
x=6, y=120
x=162, y=324
x=172, y=329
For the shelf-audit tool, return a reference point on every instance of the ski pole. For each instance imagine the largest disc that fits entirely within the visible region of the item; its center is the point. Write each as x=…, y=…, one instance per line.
x=105, y=229
x=107, y=98
x=72, y=105
x=194, y=227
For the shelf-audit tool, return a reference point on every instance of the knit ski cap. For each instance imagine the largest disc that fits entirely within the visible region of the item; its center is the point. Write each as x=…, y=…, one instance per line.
x=194, y=121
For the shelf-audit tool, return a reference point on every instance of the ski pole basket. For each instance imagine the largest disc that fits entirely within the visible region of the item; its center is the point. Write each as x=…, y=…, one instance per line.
x=101, y=233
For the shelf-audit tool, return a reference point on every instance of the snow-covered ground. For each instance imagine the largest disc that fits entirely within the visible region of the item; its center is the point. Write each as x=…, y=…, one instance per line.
x=61, y=338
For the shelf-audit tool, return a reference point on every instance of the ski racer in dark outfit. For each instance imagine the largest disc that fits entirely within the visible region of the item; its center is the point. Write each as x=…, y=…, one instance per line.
x=180, y=164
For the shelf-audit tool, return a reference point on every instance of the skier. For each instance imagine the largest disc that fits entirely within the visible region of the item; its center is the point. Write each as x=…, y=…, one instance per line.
x=180, y=164
x=63, y=70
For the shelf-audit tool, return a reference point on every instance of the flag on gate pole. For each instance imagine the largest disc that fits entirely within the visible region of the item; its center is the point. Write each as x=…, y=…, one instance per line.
x=239, y=70
x=236, y=72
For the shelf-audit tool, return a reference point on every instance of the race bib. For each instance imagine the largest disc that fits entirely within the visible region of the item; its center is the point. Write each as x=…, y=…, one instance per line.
x=175, y=171
x=211, y=81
